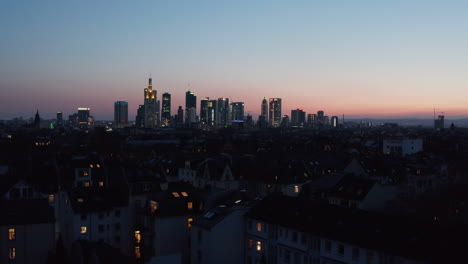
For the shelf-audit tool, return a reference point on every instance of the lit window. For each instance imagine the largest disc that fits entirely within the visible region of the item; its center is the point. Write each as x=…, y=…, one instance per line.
x=189, y=222
x=83, y=230
x=176, y=194
x=184, y=194
x=137, y=236
x=12, y=253
x=51, y=198
x=153, y=206
x=91, y=166
x=259, y=227
x=190, y=205
x=296, y=188
x=250, y=243
x=85, y=173
x=80, y=200
x=259, y=246
x=101, y=184
x=137, y=252
x=11, y=234
x=98, y=166
x=86, y=184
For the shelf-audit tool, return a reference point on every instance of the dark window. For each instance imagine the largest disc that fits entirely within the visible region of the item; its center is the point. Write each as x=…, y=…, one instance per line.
x=355, y=255
x=101, y=228
x=199, y=256
x=327, y=246
x=117, y=226
x=101, y=215
x=294, y=236
x=199, y=235
x=303, y=239
x=117, y=213
x=117, y=239
x=83, y=217
x=341, y=249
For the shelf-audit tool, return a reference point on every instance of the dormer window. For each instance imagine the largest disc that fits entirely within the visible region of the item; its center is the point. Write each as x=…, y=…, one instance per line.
x=91, y=165
x=175, y=194
x=296, y=188
x=84, y=173
x=101, y=184
x=184, y=194
x=11, y=234
x=98, y=166
x=51, y=198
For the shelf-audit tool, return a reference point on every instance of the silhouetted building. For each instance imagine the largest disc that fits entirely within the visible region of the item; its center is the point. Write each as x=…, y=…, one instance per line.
x=208, y=111
x=84, y=117
x=275, y=112
x=297, y=117
x=120, y=114
x=190, y=107
x=140, y=117
x=166, y=110
x=264, y=110
x=223, y=111
x=59, y=121
x=180, y=115
x=439, y=123
x=37, y=120
x=151, y=107
x=237, y=111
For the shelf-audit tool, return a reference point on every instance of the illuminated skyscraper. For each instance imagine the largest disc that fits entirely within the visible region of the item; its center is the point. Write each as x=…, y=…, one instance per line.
x=190, y=107
x=120, y=114
x=237, y=111
x=166, y=110
x=208, y=111
x=151, y=109
x=334, y=121
x=275, y=112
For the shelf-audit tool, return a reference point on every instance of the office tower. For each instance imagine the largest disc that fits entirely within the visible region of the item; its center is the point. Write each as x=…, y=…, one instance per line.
x=297, y=117
x=37, y=120
x=334, y=121
x=274, y=112
x=120, y=114
x=83, y=115
x=140, y=117
x=190, y=107
x=180, y=115
x=59, y=119
x=73, y=120
x=237, y=109
x=285, y=121
x=150, y=104
x=439, y=122
x=311, y=118
x=264, y=109
x=166, y=110
x=208, y=111
x=223, y=111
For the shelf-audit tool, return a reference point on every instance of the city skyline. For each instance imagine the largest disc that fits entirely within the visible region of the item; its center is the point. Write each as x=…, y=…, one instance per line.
x=360, y=59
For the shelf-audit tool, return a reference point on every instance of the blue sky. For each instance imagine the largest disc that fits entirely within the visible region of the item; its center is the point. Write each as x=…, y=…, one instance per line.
x=358, y=58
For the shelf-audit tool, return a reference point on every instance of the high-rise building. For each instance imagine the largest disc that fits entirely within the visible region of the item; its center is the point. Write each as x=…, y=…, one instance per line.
x=264, y=110
x=334, y=121
x=120, y=114
x=151, y=107
x=140, y=117
x=297, y=117
x=83, y=115
x=208, y=111
x=190, y=107
x=439, y=123
x=180, y=116
x=166, y=110
x=223, y=114
x=237, y=111
x=274, y=112
x=311, y=118
x=59, y=122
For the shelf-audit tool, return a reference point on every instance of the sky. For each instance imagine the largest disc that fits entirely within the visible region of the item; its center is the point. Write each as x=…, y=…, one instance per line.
x=357, y=58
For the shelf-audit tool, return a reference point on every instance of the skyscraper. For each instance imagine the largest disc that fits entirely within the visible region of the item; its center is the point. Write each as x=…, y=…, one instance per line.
x=166, y=110
x=59, y=119
x=297, y=117
x=120, y=114
x=140, y=117
x=237, y=111
x=264, y=108
x=83, y=115
x=180, y=115
x=37, y=120
x=151, y=119
x=190, y=107
x=275, y=112
x=334, y=121
x=223, y=111
x=208, y=111
x=439, y=123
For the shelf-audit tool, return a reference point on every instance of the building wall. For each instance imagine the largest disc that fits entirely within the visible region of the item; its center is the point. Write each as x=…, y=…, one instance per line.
x=32, y=243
